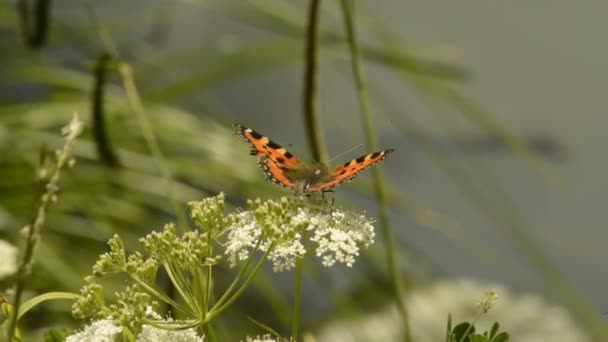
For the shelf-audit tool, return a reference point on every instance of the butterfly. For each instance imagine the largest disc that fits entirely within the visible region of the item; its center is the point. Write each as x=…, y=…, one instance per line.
x=285, y=169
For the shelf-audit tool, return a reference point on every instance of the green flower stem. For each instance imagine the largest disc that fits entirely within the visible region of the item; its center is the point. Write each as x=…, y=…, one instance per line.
x=209, y=275
x=178, y=283
x=175, y=325
x=372, y=142
x=239, y=276
x=311, y=113
x=219, y=308
x=34, y=231
x=34, y=20
x=313, y=129
x=160, y=295
x=209, y=333
x=200, y=292
x=103, y=143
x=295, y=323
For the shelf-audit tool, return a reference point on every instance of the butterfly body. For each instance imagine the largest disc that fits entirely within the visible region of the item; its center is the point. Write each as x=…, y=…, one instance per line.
x=285, y=169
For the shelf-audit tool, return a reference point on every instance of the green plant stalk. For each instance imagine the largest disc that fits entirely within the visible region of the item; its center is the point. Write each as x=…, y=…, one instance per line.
x=34, y=231
x=34, y=21
x=199, y=292
x=149, y=135
x=372, y=142
x=209, y=333
x=208, y=288
x=128, y=80
x=295, y=322
x=217, y=309
x=178, y=283
x=160, y=295
x=313, y=129
x=105, y=151
x=236, y=280
x=311, y=80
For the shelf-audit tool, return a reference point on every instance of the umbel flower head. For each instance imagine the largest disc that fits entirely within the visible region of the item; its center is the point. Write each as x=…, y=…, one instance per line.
x=287, y=229
x=105, y=330
x=283, y=230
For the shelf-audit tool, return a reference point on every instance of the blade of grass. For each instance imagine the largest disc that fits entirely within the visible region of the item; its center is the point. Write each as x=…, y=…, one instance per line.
x=372, y=142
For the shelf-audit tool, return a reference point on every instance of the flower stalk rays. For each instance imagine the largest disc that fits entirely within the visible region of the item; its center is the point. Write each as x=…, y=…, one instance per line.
x=282, y=232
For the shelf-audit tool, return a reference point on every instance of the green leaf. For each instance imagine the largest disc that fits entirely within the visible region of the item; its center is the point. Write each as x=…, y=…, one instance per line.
x=477, y=338
x=494, y=330
x=28, y=305
x=502, y=337
x=56, y=335
x=461, y=329
x=449, y=328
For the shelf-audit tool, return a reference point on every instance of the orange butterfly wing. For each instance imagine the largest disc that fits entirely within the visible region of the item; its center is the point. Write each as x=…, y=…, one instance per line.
x=275, y=172
x=349, y=170
x=262, y=145
x=273, y=159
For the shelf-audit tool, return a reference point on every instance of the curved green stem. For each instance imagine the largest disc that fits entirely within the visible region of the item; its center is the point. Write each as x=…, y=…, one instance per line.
x=372, y=142
x=32, y=302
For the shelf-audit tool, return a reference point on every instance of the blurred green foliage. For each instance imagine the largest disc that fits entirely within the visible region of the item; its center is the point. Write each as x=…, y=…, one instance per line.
x=117, y=185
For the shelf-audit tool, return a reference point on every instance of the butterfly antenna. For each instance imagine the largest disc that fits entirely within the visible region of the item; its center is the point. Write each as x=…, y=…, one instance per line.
x=347, y=151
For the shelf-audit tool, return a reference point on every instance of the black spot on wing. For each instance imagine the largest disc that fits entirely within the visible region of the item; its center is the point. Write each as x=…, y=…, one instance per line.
x=342, y=172
x=255, y=135
x=288, y=155
x=273, y=145
x=360, y=159
x=280, y=160
x=376, y=155
x=346, y=164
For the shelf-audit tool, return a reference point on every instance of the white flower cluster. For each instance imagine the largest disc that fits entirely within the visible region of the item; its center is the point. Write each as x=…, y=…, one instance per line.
x=265, y=338
x=286, y=226
x=98, y=331
x=338, y=238
x=106, y=331
x=8, y=259
x=153, y=334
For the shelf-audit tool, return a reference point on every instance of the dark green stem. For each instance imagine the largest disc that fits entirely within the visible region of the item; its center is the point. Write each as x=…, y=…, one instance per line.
x=34, y=21
x=311, y=75
x=372, y=142
x=34, y=231
x=104, y=147
x=313, y=129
